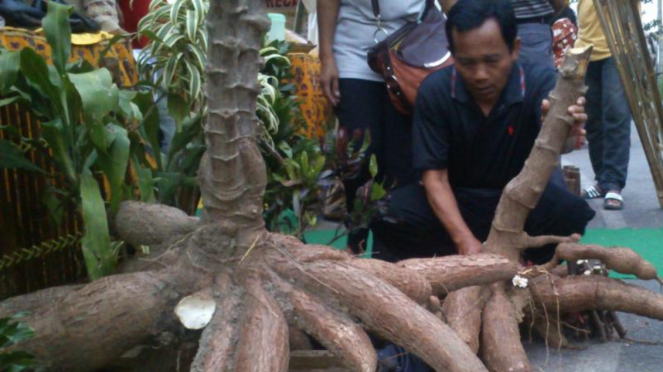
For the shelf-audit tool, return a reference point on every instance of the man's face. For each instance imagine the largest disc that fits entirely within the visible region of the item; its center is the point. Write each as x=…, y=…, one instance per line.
x=484, y=61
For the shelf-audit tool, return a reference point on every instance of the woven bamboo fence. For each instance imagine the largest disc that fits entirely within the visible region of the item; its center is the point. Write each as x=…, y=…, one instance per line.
x=623, y=29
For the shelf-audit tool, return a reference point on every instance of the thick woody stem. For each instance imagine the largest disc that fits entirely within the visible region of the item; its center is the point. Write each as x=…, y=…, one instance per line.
x=582, y=293
x=622, y=260
x=410, y=282
x=450, y=273
x=524, y=191
x=232, y=174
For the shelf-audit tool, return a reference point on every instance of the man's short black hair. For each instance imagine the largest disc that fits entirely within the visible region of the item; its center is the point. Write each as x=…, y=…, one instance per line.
x=467, y=15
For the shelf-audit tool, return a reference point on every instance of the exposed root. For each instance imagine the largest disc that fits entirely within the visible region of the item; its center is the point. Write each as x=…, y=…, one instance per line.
x=103, y=320
x=334, y=330
x=582, y=293
x=621, y=260
x=263, y=338
x=501, y=348
x=35, y=301
x=218, y=343
x=450, y=273
x=151, y=224
x=410, y=282
x=388, y=312
x=298, y=339
x=550, y=330
x=462, y=310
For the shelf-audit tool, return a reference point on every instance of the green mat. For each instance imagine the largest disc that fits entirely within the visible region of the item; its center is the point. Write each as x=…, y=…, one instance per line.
x=647, y=242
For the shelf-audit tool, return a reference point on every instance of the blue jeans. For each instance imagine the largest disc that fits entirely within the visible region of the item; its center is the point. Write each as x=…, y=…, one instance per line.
x=536, y=44
x=608, y=124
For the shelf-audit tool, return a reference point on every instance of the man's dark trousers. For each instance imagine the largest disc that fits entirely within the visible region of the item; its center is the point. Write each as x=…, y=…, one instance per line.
x=608, y=124
x=410, y=229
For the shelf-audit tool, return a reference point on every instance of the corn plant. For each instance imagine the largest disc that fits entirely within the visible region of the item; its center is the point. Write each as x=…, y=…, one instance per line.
x=83, y=133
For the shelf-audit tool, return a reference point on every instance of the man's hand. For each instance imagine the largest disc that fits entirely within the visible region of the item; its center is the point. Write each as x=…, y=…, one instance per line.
x=577, y=134
x=469, y=246
x=329, y=80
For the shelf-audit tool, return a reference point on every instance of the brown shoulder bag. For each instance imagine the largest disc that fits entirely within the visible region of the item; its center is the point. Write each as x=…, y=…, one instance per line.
x=408, y=55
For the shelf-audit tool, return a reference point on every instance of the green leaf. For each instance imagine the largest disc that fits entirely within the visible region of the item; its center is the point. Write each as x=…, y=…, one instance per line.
x=191, y=25
x=10, y=63
x=285, y=148
x=35, y=70
x=54, y=206
x=9, y=101
x=199, y=54
x=178, y=109
x=200, y=9
x=114, y=162
x=97, y=251
x=13, y=158
x=175, y=10
x=191, y=128
x=145, y=181
x=373, y=166
x=169, y=70
x=58, y=33
x=150, y=123
x=377, y=191
x=129, y=110
x=98, y=93
x=54, y=134
x=195, y=80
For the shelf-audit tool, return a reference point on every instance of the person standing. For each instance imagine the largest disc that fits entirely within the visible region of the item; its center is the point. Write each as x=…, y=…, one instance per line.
x=347, y=30
x=533, y=19
x=609, y=116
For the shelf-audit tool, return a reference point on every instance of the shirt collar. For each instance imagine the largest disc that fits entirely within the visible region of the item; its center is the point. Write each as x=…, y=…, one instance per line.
x=514, y=91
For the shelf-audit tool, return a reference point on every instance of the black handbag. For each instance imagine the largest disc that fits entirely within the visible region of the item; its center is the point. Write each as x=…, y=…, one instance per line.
x=21, y=15
x=409, y=54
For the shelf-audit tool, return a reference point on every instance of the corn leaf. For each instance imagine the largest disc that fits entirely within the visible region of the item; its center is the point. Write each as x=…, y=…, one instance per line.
x=114, y=162
x=58, y=33
x=97, y=251
x=13, y=158
x=98, y=93
x=10, y=63
x=54, y=134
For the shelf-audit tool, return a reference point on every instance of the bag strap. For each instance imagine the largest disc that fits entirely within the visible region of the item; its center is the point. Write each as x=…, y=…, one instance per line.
x=376, y=8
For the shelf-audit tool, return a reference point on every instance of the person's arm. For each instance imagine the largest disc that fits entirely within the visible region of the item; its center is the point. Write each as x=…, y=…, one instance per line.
x=446, y=5
x=443, y=202
x=327, y=16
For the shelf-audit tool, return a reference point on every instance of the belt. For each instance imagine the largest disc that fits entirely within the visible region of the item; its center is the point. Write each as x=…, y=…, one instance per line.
x=543, y=20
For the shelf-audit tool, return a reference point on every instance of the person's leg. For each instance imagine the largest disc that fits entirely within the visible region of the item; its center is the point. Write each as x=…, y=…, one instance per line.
x=360, y=110
x=536, y=44
x=395, y=147
x=409, y=229
x=593, y=107
x=616, y=129
x=559, y=213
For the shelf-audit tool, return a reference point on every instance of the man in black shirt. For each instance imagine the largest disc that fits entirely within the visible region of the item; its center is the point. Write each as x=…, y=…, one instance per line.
x=474, y=126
